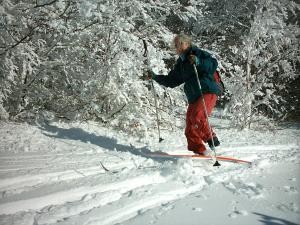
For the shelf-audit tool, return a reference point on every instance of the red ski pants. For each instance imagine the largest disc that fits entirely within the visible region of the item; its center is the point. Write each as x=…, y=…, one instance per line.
x=197, y=128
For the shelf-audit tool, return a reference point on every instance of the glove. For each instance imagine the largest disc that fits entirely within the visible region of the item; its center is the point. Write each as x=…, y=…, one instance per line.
x=194, y=60
x=148, y=75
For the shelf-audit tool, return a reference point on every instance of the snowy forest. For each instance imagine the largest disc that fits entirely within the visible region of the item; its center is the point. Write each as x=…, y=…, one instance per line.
x=78, y=125
x=81, y=60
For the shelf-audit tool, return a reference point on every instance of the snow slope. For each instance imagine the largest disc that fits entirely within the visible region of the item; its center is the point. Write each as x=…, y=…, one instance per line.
x=89, y=175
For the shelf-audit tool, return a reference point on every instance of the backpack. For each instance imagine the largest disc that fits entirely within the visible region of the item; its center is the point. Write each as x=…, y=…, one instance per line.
x=217, y=77
x=219, y=82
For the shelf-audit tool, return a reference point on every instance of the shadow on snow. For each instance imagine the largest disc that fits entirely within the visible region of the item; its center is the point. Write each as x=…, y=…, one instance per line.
x=79, y=134
x=270, y=220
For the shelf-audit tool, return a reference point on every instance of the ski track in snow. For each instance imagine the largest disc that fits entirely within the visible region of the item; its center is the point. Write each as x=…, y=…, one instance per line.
x=49, y=177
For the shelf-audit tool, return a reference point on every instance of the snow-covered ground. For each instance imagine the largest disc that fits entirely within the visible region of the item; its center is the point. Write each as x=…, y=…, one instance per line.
x=85, y=174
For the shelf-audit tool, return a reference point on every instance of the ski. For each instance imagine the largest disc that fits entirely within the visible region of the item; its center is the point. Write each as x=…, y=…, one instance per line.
x=220, y=158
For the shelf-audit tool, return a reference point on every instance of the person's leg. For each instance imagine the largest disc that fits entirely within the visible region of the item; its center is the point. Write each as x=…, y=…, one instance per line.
x=197, y=128
x=193, y=127
x=210, y=101
x=206, y=130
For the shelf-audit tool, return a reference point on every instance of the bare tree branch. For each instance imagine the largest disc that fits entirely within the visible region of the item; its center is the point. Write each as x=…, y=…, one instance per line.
x=20, y=41
x=46, y=4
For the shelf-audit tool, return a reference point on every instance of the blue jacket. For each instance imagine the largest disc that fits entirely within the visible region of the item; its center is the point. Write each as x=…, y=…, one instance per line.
x=183, y=72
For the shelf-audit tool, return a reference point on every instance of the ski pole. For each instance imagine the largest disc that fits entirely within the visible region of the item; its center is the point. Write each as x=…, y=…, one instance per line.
x=160, y=139
x=206, y=114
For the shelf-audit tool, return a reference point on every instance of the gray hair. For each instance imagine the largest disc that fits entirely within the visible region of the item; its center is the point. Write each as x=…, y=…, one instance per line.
x=183, y=38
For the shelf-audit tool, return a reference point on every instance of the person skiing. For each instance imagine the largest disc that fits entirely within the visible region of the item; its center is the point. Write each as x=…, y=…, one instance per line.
x=198, y=130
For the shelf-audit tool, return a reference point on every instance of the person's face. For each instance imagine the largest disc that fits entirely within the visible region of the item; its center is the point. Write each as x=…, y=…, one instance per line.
x=180, y=47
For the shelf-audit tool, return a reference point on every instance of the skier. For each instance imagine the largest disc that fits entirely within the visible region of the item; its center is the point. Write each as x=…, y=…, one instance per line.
x=198, y=130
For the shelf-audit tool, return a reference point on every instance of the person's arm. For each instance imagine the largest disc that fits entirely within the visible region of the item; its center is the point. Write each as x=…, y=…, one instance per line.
x=173, y=79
